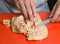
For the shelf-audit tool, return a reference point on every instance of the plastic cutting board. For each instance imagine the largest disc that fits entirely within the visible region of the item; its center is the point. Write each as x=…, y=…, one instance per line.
x=8, y=37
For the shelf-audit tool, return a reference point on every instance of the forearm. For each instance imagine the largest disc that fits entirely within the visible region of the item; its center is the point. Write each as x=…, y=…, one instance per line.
x=58, y=0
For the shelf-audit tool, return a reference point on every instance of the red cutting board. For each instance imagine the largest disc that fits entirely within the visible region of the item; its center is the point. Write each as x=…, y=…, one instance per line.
x=8, y=37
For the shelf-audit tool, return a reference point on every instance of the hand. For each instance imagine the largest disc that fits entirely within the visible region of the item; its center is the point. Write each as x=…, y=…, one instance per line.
x=56, y=12
x=27, y=8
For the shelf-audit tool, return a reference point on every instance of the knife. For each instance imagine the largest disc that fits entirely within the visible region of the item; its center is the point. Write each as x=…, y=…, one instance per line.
x=45, y=22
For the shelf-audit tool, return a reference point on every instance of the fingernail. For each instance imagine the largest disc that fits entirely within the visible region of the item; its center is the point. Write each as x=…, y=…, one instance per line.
x=52, y=20
x=34, y=16
x=31, y=19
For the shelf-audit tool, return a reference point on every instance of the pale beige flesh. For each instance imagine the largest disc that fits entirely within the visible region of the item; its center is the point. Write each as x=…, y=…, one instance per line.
x=19, y=26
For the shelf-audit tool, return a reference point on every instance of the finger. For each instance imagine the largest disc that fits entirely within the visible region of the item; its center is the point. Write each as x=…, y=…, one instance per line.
x=22, y=8
x=17, y=4
x=53, y=10
x=24, y=11
x=57, y=13
x=33, y=7
x=29, y=11
x=58, y=19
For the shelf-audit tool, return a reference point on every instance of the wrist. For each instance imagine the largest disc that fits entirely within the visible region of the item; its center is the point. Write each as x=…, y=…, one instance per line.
x=58, y=0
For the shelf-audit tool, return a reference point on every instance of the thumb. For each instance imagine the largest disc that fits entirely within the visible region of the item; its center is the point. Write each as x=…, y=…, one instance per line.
x=57, y=13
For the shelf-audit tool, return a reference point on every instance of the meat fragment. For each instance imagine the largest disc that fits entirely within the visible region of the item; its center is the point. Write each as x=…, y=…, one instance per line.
x=6, y=22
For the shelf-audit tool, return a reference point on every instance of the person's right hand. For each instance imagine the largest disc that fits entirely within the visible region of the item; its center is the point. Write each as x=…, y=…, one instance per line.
x=27, y=8
x=56, y=12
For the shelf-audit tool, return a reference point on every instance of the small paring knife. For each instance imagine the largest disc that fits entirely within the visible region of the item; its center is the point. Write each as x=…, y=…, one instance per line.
x=45, y=22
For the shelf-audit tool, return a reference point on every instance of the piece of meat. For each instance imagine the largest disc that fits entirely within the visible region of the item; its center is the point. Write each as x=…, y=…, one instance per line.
x=6, y=22
x=19, y=26
x=13, y=26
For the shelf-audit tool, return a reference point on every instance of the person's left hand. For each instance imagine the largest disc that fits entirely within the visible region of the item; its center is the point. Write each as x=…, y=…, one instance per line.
x=56, y=12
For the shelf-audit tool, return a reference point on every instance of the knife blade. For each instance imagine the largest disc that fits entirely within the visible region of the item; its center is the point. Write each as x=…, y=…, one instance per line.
x=44, y=22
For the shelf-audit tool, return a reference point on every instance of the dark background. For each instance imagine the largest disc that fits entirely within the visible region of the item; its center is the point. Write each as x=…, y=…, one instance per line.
x=51, y=3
